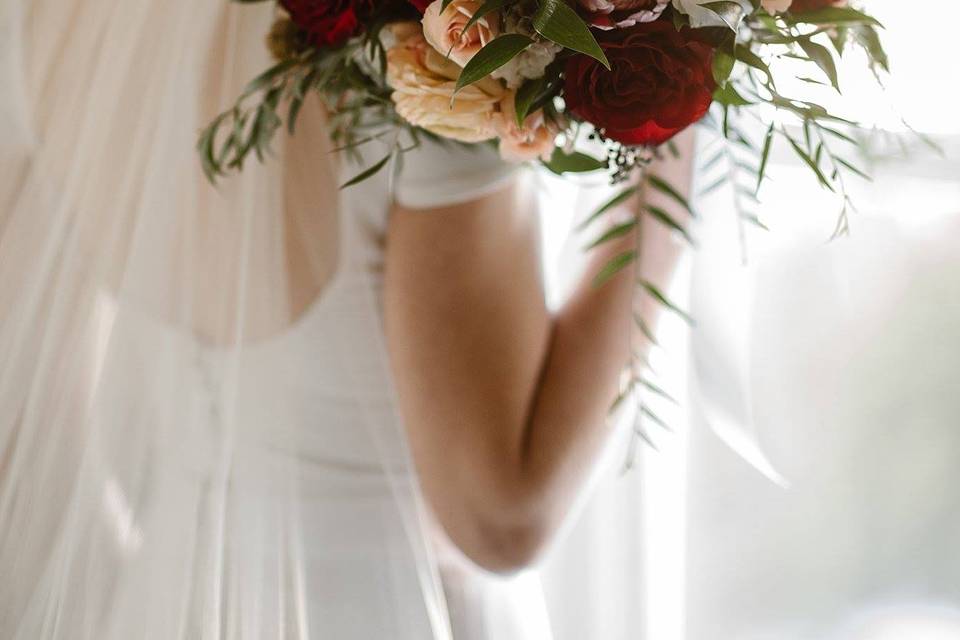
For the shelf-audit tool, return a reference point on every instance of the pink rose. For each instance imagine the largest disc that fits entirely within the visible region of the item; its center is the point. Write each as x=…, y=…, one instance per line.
x=610, y=14
x=535, y=139
x=423, y=83
x=445, y=31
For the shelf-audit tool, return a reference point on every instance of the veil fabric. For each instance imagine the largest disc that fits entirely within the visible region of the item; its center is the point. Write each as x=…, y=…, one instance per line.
x=198, y=434
x=198, y=437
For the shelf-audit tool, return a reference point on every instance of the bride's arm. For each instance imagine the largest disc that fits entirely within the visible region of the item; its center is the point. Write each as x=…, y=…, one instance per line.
x=506, y=403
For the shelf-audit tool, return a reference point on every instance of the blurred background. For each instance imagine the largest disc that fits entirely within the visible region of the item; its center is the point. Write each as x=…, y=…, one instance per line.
x=810, y=489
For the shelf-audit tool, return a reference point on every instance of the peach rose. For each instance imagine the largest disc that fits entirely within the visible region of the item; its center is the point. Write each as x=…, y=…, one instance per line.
x=536, y=139
x=776, y=6
x=444, y=31
x=423, y=81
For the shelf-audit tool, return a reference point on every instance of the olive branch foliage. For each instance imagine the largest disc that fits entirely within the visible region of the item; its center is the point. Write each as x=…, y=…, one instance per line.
x=350, y=81
x=825, y=143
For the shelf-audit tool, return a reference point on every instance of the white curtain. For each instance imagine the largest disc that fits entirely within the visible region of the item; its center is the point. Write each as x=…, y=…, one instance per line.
x=849, y=371
x=832, y=367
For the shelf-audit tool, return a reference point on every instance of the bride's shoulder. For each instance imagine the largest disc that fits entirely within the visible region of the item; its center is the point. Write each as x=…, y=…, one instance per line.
x=437, y=174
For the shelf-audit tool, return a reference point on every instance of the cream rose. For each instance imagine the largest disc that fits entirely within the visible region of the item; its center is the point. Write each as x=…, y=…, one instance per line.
x=535, y=139
x=423, y=82
x=445, y=31
x=776, y=6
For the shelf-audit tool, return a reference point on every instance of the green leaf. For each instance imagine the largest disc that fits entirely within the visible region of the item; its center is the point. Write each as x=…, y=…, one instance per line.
x=668, y=190
x=613, y=233
x=575, y=162
x=296, y=103
x=662, y=299
x=656, y=419
x=765, y=155
x=639, y=431
x=836, y=16
x=486, y=8
x=713, y=186
x=731, y=13
x=728, y=96
x=839, y=134
x=366, y=173
x=665, y=219
x=527, y=94
x=658, y=390
x=616, y=200
x=869, y=39
x=205, y=145
x=494, y=55
x=266, y=78
x=823, y=58
x=748, y=57
x=645, y=329
x=722, y=66
x=615, y=266
x=556, y=21
x=809, y=162
x=856, y=170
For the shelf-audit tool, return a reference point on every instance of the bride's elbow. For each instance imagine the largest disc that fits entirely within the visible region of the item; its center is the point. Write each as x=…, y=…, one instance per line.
x=505, y=549
x=499, y=515
x=502, y=534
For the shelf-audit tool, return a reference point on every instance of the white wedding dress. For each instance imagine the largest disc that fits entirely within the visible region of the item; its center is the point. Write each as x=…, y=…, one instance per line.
x=160, y=481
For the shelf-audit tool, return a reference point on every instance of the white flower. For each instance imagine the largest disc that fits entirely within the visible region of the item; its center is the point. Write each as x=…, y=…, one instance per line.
x=529, y=63
x=701, y=16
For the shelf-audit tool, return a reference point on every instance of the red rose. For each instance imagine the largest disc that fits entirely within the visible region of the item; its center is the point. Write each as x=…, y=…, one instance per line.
x=660, y=83
x=421, y=5
x=328, y=23
x=801, y=6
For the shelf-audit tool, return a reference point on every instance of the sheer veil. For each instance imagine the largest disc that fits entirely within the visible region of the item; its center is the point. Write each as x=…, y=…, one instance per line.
x=140, y=495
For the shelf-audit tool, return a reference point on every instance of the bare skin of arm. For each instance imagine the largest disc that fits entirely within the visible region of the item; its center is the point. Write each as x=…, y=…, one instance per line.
x=506, y=403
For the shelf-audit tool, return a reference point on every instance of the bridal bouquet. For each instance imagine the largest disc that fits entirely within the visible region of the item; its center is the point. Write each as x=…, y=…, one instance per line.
x=537, y=77
x=533, y=75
